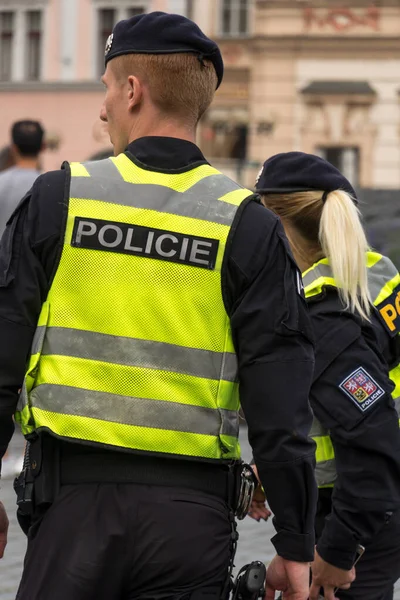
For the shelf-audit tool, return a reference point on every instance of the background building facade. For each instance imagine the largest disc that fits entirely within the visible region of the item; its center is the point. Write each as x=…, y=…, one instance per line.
x=318, y=76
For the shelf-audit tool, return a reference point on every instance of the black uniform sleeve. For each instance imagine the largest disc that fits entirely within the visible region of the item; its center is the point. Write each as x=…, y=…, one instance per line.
x=28, y=253
x=272, y=335
x=351, y=397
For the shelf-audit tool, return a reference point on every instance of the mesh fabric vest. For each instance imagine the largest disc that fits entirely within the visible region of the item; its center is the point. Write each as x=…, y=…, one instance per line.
x=133, y=347
x=383, y=283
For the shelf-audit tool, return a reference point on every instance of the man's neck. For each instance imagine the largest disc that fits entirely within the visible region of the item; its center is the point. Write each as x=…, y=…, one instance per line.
x=163, y=129
x=25, y=162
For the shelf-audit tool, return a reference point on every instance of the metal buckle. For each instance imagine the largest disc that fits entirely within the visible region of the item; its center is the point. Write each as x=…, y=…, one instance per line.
x=248, y=484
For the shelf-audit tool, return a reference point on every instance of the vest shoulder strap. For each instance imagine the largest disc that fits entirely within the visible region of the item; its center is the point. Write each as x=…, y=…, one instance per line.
x=383, y=277
x=317, y=278
x=93, y=178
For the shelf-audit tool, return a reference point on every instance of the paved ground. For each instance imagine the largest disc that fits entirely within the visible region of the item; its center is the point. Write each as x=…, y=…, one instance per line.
x=254, y=541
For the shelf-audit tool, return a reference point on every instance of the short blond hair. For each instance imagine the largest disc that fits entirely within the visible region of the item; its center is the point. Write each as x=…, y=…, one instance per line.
x=332, y=228
x=180, y=85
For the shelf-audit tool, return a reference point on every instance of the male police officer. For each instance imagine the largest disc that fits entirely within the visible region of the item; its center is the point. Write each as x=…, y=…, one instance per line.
x=143, y=284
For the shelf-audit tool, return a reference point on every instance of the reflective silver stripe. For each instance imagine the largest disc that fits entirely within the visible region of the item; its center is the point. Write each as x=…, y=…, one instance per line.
x=198, y=202
x=140, y=353
x=397, y=405
x=379, y=275
x=140, y=412
x=103, y=168
x=230, y=422
x=38, y=339
x=317, y=272
x=229, y=371
x=317, y=430
x=325, y=473
x=23, y=398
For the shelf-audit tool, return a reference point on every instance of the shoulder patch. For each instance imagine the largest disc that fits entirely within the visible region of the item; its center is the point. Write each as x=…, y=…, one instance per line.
x=362, y=389
x=389, y=312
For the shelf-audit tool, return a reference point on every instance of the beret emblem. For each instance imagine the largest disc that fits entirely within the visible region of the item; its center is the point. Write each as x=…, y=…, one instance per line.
x=259, y=174
x=108, y=44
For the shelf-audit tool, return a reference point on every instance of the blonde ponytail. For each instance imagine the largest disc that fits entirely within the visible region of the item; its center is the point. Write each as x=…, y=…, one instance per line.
x=330, y=228
x=343, y=241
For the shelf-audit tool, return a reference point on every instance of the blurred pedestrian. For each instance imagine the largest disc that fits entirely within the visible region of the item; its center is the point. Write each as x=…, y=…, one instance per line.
x=19, y=168
x=149, y=284
x=6, y=158
x=26, y=146
x=353, y=297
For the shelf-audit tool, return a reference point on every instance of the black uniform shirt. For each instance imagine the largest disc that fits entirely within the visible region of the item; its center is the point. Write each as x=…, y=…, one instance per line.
x=365, y=433
x=270, y=327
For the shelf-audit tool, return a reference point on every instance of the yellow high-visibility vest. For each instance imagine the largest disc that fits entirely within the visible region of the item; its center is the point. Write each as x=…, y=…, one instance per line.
x=384, y=287
x=133, y=347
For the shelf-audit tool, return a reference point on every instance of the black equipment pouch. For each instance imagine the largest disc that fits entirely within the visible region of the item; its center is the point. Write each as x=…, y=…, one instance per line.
x=38, y=483
x=250, y=582
x=23, y=485
x=245, y=484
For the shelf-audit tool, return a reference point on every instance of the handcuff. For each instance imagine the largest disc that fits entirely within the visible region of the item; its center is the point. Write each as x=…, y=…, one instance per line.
x=247, y=485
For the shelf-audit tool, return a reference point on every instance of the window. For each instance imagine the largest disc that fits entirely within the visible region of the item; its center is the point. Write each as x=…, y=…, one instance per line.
x=33, y=44
x=189, y=9
x=6, y=42
x=235, y=17
x=346, y=159
x=107, y=18
x=224, y=133
x=133, y=12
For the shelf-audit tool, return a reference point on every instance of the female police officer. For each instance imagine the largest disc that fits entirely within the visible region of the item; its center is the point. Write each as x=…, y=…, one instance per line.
x=354, y=301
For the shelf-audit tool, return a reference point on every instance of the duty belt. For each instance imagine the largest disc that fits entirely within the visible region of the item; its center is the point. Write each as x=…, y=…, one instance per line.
x=120, y=467
x=234, y=483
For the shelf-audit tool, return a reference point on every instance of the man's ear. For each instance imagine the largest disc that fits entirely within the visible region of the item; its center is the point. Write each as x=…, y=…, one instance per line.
x=135, y=91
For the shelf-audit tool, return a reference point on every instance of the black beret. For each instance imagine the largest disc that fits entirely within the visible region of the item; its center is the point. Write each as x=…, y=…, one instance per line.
x=162, y=33
x=299, y=172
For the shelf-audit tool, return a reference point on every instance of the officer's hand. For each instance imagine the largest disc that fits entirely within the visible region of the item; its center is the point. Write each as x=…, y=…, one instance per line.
x=258, y=510
x=291, y=578
x=329, y=577
x=3, y=529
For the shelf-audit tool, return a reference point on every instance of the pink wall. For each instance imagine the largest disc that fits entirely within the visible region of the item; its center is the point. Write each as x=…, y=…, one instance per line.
x=158, y=5
x=52, y=48
x=74, y=116
x=85, y=40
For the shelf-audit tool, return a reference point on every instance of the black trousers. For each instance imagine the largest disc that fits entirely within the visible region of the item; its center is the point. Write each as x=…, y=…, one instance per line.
x=379, y=568
x=128, y=541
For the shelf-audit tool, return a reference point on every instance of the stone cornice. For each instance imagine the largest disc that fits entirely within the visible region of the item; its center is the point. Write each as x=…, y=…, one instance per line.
x=337, y=45
x=28, y=4
x=324, y=4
